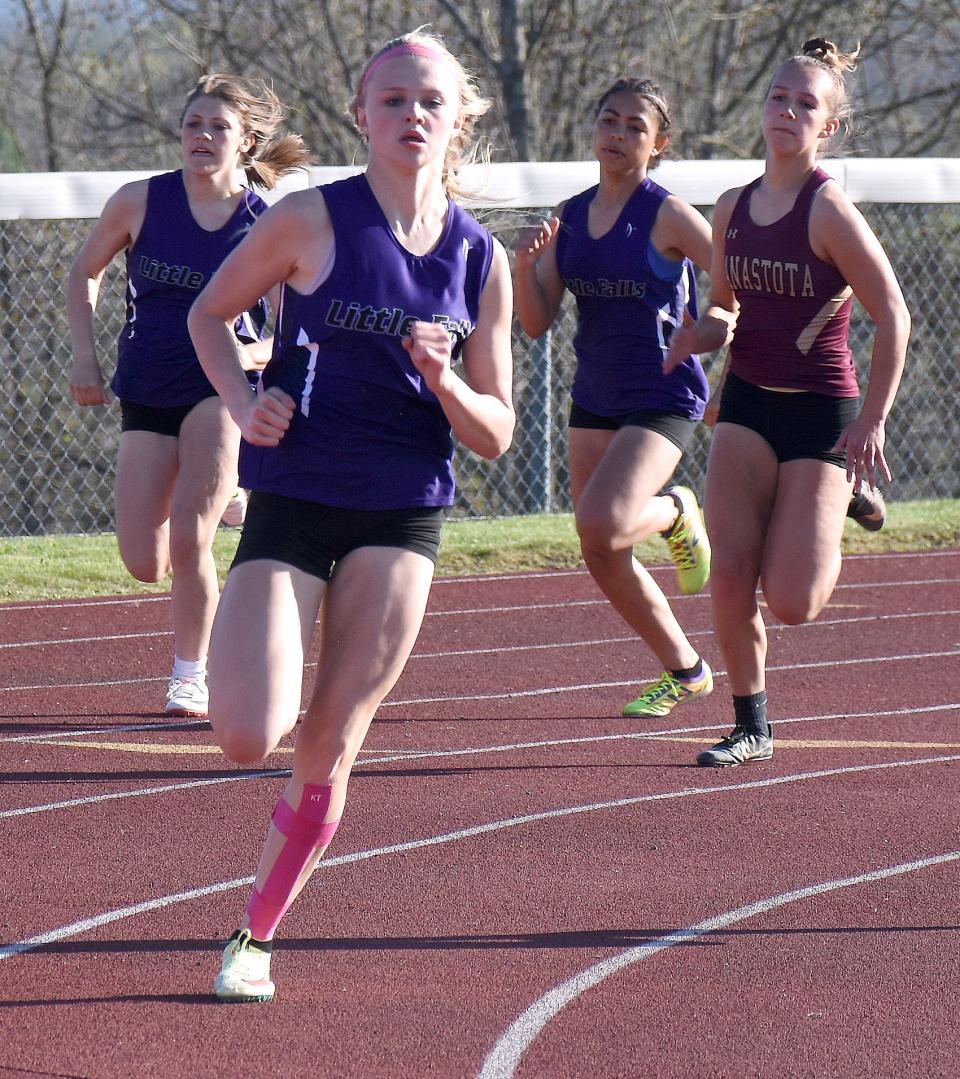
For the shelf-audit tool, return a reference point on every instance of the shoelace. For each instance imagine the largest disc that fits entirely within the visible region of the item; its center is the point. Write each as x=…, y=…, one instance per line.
x=177, y=684
x=247, y=960
x=664, y=687
x=740, y=734
x=681, y=548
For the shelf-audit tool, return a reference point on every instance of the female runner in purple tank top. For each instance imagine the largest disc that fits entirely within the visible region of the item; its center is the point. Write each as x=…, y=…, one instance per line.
x=177, y=461
x=794, y=451
x=386, y=284
x=624, y=249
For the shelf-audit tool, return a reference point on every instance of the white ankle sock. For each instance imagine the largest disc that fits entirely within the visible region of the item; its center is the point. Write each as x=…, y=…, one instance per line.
x=189, y=668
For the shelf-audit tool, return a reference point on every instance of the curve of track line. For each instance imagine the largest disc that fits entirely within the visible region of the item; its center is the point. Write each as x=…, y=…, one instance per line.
x=439, y=754
x=107, y=917
x=505, y=1057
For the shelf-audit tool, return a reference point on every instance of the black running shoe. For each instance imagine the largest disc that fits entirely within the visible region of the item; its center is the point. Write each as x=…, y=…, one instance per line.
x=739, y=747
x=868, y=509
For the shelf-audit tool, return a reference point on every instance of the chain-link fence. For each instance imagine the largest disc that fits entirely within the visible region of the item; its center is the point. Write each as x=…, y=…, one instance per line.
x=59, y=459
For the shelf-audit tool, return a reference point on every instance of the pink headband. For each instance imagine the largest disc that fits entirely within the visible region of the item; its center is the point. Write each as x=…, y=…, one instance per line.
x=406, y=48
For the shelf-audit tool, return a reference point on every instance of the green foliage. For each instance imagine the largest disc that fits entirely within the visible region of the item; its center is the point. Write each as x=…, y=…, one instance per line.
x=12, y=158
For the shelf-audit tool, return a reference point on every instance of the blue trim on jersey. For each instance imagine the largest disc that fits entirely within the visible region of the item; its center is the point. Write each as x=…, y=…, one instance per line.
x=663, y=268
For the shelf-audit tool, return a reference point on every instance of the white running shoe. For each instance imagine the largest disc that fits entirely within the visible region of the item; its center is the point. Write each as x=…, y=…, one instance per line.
x=244, y=977
x=235, y=513
x=187, y=697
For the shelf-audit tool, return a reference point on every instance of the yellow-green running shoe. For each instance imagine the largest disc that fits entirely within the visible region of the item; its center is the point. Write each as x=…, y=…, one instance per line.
x=660, y=698
x=688, y=543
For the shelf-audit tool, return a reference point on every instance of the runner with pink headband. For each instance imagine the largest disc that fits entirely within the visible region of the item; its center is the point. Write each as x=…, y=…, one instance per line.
x=391, y=52
x=406, y=300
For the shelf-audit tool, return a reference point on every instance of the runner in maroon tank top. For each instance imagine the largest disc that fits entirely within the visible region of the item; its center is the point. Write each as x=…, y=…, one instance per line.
x=795, y=450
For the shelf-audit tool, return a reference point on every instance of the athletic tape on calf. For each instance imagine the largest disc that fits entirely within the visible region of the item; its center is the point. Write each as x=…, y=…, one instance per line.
x=305, y=832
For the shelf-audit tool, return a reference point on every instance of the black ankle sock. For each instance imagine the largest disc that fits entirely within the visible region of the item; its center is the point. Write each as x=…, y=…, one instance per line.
x=679, y=505
x=751, y=712
x=260, y=945
x=688, y=673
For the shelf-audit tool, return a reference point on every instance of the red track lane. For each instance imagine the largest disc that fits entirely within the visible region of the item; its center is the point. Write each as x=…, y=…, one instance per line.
x=522, y=880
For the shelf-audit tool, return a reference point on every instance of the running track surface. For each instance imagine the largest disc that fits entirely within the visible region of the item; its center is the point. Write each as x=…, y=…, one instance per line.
x=524, y=883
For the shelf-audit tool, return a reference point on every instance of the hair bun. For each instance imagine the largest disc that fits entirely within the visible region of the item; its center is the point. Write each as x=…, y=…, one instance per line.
x=820, y=48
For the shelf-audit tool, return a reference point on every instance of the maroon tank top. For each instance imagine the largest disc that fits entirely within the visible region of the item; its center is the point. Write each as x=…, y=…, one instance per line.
x=792, y=332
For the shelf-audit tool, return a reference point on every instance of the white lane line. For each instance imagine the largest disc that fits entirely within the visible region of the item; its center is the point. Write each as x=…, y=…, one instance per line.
x=503, y=1059
x=132, y=601
x=67, y=732
x=902, y=657
x=125, y=601
x=430, y=614
x=447, y=754
x=160, y=726
x=627, y=638
x=88, y=640
x=858, y=585
x=632, y=638
x=199, y=724
x=69, y=604
x=75, y=928
x=92, y=799
x=771, y=625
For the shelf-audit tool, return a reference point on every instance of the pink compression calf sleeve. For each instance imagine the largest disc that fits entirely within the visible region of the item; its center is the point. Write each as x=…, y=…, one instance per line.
x=305, y=831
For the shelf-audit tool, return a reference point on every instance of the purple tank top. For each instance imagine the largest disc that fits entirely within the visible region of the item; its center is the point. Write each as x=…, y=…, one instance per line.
x=368, y=433
x=792, y=330
x=167, y=266
x=626, y=313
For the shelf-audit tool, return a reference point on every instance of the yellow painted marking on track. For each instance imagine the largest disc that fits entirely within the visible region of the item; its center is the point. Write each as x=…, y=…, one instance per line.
x=826, y=743
x=145, y=747
x=176, y=748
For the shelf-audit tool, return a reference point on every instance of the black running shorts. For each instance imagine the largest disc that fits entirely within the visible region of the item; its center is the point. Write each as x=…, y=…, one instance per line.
x=161, y=421
x=676, y=429
x=313, y=537
x=795, y=425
